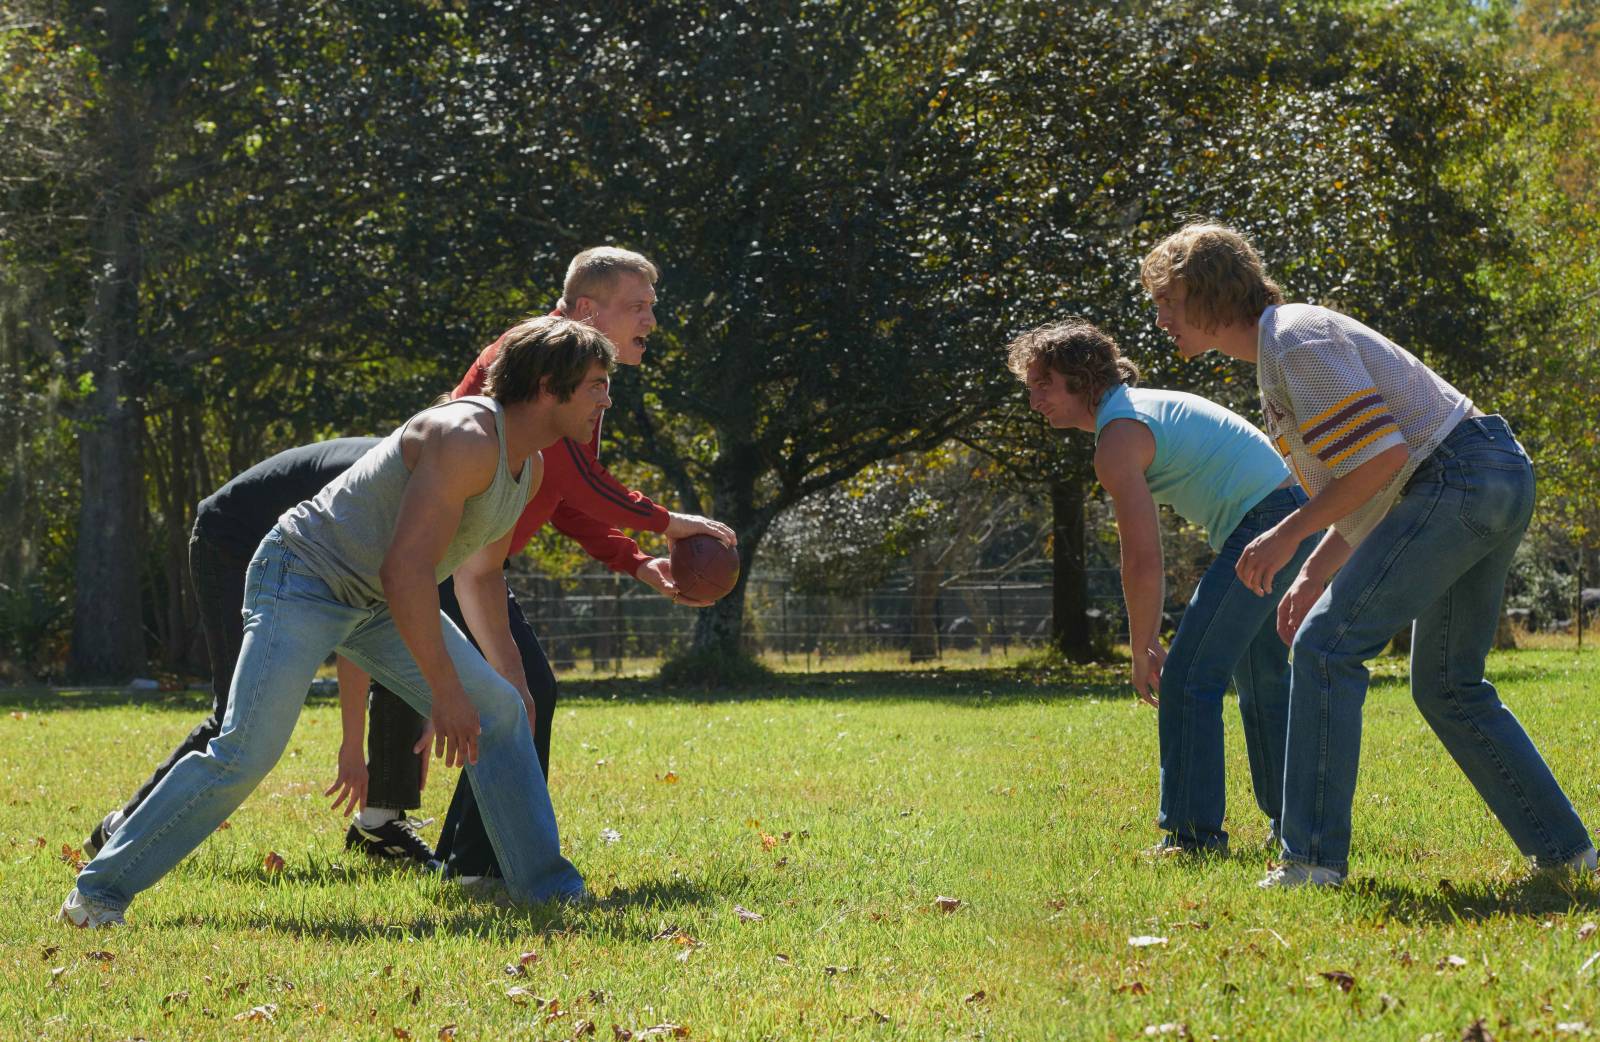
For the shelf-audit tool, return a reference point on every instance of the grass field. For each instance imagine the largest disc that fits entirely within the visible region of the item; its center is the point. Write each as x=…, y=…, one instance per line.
x=840, y=809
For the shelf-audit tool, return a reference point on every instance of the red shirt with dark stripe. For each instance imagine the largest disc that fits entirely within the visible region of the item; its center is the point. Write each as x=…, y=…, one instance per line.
x=577, y=495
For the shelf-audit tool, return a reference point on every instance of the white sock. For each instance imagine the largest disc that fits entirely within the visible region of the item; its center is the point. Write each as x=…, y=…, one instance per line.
x=372, y=817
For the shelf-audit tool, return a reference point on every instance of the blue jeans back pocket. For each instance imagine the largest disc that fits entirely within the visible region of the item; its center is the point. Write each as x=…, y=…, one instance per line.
x=1499, y=492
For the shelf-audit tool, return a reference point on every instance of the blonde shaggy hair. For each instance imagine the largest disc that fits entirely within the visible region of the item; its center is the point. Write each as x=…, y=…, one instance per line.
x=1223, y=279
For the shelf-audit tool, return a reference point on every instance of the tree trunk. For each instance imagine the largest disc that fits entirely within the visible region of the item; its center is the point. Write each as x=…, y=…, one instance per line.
x=1070, y=588
x=108, y=618
x=925, y=576
x=108, y=623
x=733, y=493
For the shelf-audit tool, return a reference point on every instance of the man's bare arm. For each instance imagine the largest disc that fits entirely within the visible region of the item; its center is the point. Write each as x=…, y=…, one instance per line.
x=452, y=458
x=1125, y=450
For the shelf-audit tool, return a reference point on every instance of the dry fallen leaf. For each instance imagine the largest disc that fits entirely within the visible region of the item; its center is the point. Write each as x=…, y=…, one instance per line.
x=1586, y=931
x=273, y=862
x=834, y=971
x=1145, y=941
x=1388, y=1001
x=259, y=1014
x=670, y=778
x=72, y=856
x=1453, y=962
x=621, y=1034
x=1132, y=988
x=781, y=959
x=1476, y=1032
x=883, y=1018
x=976, y=997
x=447, y=1033
x=946, y=904
x=401, y=1032
x=174, y=997
x=49, y=952
x=768, y=842
x=580, y=1028
x=99, y=956
x=610, y=836
x=416, y=994
x=746, y=915
x=1345, y=980
x=225, y=826
x=519, y=995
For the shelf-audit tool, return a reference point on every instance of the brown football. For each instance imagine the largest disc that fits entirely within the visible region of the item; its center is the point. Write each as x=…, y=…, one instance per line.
x=703, y=568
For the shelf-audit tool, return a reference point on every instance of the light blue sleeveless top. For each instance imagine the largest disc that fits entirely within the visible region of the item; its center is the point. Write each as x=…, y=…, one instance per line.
x=1211, y=464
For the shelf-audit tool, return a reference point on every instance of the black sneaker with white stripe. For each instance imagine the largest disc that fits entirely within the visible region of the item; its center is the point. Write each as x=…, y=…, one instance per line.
x=395, y=840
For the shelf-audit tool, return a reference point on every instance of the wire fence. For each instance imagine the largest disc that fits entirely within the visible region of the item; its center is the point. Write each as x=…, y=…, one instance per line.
x=607, y=622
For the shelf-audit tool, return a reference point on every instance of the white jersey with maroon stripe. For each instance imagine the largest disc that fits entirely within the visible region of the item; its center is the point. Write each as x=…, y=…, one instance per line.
x=1335, y=394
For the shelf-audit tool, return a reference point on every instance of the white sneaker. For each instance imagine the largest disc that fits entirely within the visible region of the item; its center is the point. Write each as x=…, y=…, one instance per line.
x=1577, y=864
x=79, y=911
x=1293, y=874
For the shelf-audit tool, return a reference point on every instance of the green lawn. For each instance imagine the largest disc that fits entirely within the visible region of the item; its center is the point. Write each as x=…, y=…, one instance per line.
x=839, y=809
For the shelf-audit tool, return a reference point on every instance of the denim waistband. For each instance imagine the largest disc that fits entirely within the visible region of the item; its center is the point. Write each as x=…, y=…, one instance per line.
x=1280, y=500
x=1474, y=429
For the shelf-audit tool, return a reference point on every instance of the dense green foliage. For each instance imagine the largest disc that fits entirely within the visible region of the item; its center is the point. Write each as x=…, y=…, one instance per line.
x=225, y=229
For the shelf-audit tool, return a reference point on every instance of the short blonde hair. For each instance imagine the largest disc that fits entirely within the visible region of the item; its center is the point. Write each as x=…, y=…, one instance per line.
x=593, y=273
x=1223, y=279
x=1089, y=361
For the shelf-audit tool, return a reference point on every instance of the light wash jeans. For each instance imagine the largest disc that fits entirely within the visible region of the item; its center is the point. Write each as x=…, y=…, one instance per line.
x=292, y=623
x=1438, y=559
x=1226, y=631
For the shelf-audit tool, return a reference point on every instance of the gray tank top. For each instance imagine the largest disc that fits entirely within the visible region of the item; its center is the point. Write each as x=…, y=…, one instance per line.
x=343, y=532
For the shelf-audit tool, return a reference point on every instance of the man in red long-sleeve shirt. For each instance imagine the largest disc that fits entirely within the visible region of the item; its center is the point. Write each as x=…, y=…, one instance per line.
x=613, y=290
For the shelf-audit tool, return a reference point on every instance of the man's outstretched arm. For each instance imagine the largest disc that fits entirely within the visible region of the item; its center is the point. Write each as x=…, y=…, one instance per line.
x=451, y=459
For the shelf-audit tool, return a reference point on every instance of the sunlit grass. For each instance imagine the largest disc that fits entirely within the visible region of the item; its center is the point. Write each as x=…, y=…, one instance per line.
x=839, y=808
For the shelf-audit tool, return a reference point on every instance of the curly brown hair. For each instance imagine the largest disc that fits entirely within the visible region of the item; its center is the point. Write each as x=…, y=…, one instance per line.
x=1088, y=360
x=1223, y=278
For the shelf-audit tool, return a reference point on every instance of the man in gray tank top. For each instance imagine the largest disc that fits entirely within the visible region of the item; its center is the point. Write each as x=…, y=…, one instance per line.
x=356, y=570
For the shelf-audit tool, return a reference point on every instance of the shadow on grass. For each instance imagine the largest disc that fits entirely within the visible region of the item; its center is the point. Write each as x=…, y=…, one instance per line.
x=484, y=910
x=1446, y=902
x=972, y=687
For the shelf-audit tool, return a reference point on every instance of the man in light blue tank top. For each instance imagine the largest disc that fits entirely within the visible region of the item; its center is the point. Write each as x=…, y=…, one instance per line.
x=1217, y=471
x=356, y=570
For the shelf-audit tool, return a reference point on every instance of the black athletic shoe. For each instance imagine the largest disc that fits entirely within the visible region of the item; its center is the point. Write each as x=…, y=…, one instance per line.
x=395, y=840
x=102, y=834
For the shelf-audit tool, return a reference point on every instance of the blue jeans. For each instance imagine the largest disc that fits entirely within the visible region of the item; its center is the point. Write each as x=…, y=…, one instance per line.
x=1226, y=631
x=292, y=623
x=1438, y=560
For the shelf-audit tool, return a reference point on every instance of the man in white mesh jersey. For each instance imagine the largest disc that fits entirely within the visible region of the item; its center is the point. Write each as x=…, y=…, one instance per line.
x=1427, y=499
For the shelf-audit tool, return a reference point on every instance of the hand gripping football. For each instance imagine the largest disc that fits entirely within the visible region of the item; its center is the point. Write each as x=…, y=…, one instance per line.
x=703, y=568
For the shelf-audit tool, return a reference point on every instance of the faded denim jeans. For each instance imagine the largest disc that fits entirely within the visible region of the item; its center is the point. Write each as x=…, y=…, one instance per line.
x=292, y=623
x=1227, y=631
x=1437, y=560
